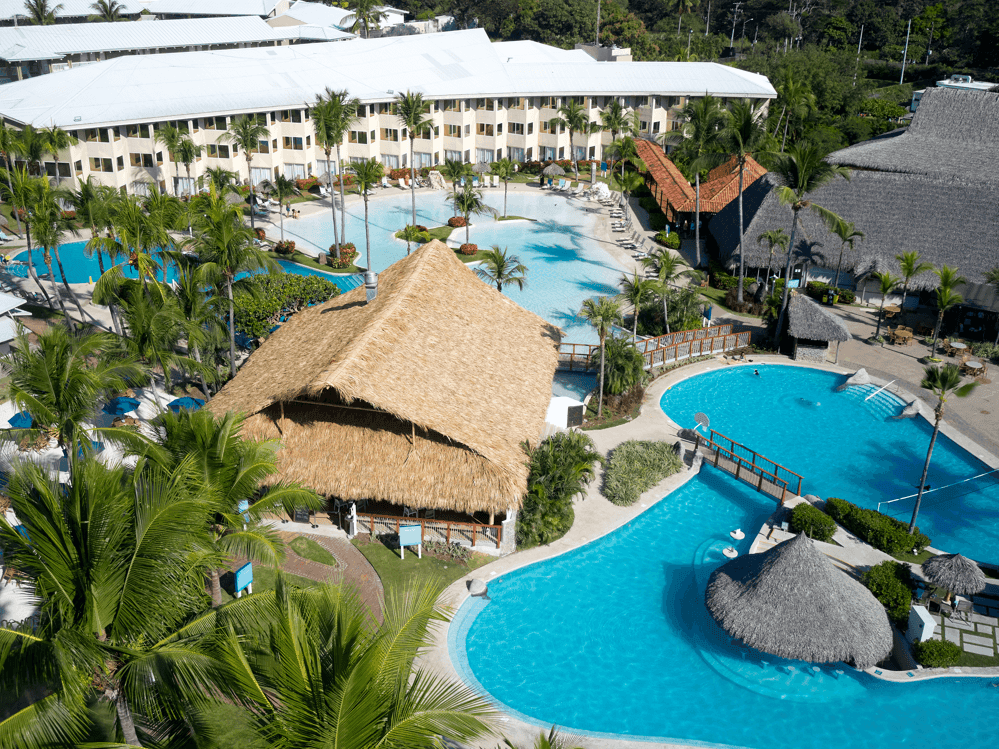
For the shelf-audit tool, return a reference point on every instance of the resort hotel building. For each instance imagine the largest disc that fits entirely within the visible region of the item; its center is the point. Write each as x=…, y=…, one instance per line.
x=488, y=101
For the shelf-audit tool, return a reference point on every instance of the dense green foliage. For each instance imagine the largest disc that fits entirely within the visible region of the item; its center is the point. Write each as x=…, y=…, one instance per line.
x=685, y=308
x=937, y=653
x=879, y=530
x=811, y=521
x=891, y=583
x=275, y=297
x=635, y=467
x=624, y=366
x=560, y=468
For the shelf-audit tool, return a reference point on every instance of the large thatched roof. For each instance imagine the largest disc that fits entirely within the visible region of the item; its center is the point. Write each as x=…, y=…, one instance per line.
x=792, y=602
x=956, y=573
x=421, y=397
x=808, y=320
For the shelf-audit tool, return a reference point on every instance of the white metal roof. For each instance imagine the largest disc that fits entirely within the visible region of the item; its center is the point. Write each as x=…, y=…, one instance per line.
x=528, y=51
x=212, y=7
x=8, y=329
x=318, y=14
x=312, y=33
x=456, y=64
x=7, y=303
x=65, y=9
x=54, y=42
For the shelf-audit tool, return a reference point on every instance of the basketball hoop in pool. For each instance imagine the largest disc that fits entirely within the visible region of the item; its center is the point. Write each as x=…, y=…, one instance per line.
x=703, y=421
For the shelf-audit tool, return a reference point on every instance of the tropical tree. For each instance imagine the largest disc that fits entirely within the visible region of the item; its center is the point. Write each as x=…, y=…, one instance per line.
x=803, y=170
x=948, y=280
x=22, y=191
x=93, y=203
x=282, y=188
x=34, y=146
x=744, y=138
x=340, y=118
x=698, y=135
x=602, y=313
x=10, y=145
x=942, y=382
x=886, y=284
x=797, y=101
x=188, y=151
x=633, y=290
x=108, y=11
x=225, y=245
x=629, y=182
x=992, y=277
x=848, y=234
x=56, y=141
x=624, y=365
x=554, y=740
x=247, y=132
x=366, y=14
x=500, y=268
x=775, y=239
x=911, y=266
x=199, y=310
x=368, y=174
x=170, y=136
x=411, y=110
x=615, y=118
x=61, y=380
x=669, y=268
x=626, y=152
x=411, y=234
x=132, y=239
x=165, y=214
x=469, y=202
x=41, y=12
x=575, y=118
x=327, y=138
x=50, y=225
x=504, y=169
x=225, y=180
x=454, y=170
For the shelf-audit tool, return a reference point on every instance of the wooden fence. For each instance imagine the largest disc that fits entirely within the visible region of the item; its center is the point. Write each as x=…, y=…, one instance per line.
x=749, y=466
x=448, y=531
x=662, y=350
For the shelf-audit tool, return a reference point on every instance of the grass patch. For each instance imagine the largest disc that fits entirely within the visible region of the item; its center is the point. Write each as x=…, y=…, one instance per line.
x=264, y=578
x=635, y=467
x=914, y=558
x=309, y=549
x=42, y=313
x=515, y=218
x=438, y=232
x=398, y=575
x=973, y=660
x=311, y=262
x=717, y=297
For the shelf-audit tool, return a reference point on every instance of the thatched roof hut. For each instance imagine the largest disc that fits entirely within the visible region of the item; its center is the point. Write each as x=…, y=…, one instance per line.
x=421, y=397
x=792, y=602
x=956, y=573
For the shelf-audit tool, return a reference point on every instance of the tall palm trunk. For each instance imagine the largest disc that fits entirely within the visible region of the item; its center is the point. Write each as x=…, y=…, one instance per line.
x=215, y=580
x=343, y=201
x=936, y=333
x=367, y=232
x=787, y=278
x=840, y=265
x=787, y=122
x=506, y=187
x=249, y=172
x=55, y=288
x=926, y=468
x=454, y=191
x=572, y=155
x=742, y=232
x=665, y=315
x=176, y=184
x=111, y=307
x=196, y=352
x=125, y=719
x=10, y=186
x=600, y=399
x=187, y=167
x=281, y=214
x=232, y=326
x=31, y=266
x=69, y=291
x=697, y=218
x=467, y=230
x=412, y=177
x=881, y=314
x=329, y=183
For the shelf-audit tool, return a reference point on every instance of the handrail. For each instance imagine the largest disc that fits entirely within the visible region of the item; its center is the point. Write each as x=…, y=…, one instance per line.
x=776, y=467
x=666, y=349
x=752, y=466
x=449, y=526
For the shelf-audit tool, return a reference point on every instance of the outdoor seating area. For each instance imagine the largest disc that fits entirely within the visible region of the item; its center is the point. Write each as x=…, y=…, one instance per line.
x=901, y=336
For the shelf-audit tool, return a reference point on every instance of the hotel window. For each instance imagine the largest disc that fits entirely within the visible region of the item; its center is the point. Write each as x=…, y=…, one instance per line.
x=136, y=131
x=291, y=115
x=147, y=160
x=468, y=129
x=390, y=160
x=308, y=141
x=361, y=111
x=390, y=134
x=215, y=123
x=91, y=134
x=451, y=105
x=388, y=107
x=78, y=165
x=358, y=136
x=643, y=126
x=530, y=128
x=121, y=163
x=452, y=131
x=546, y=127
x=101, y=165
x=274, y=144
x=516, y=128
x=425, y=133
x=181, y=125
x=549, y=102
x=452, y=155
x=516, y=104
x=262, y=147
x=218, y=152
x=561, y=153
x=483, y=129
x=499, y=128
x=515, y=154
x=135, y=159
x=159, y=158
x=486, y=105
x=655, y=126
x=530, y=154
x=295, y=144
x=404, y=134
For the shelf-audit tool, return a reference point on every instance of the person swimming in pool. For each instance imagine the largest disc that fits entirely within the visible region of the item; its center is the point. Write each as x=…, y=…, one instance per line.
x=756, y=372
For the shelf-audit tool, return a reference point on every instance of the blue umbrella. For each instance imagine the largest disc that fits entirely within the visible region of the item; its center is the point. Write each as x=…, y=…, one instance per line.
x=120, y=406
x=21, y=420
x=190, y=404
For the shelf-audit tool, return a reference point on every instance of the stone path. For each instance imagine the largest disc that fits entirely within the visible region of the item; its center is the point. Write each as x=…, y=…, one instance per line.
x=977, y=636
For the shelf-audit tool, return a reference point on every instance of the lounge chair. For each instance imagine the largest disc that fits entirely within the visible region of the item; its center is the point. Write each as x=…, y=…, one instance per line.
x=550, y=183
x=385, y=182
x=5, y=238
x=475, y=183
x=496, y=181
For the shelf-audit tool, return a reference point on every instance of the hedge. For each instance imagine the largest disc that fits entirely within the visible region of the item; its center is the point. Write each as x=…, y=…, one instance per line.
x=880, y=531
x=811, y=521
x=456, y=221
x=636, y=467
x=891, y=584
x=937, y=653
x=469, y=248
x=279, y=296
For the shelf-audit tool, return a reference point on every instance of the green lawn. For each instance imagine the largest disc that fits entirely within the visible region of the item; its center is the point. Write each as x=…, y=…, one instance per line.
x=915, y=558
x=515, y=218
x=438, y=232
x=971, y=660
x=309, y=549
x=310, y=262
x=717, y=296
x=399, y=574
x=264, y=578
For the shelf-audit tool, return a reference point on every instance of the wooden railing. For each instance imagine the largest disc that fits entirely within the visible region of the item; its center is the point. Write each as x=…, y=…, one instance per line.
x=448, y=531
x=748, y=465
x=662, y=350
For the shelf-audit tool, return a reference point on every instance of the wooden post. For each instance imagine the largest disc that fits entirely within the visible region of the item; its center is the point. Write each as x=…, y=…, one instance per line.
x=499, y=535
x=759, y=484
x=738, y=468
x=423, y=530
x=474, y=528
x=449, y=532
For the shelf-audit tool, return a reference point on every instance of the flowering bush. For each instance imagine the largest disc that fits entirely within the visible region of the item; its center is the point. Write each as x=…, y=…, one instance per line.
x=69, y=214
x=285, y=248
x=469, y=248
x=456, y=221
x=348, y=181
x=260, y=233
x=306, y=184
x=399, y=174
x=348, y=253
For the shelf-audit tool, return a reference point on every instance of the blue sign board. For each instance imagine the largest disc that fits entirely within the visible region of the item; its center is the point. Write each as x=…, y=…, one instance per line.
x=244, y=577
x=243, y=506
x=410, y=535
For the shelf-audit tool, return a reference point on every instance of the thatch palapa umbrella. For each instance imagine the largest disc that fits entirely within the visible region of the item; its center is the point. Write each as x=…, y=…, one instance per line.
x=956, y=573
x=481, y=168
x=553, y=170
x=792, y=602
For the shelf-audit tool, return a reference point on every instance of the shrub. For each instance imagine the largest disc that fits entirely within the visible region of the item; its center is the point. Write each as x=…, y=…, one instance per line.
x=348, y=254
x=986, y=350
x=451, y=552
x=286, y=247
x=891, y=584
x=937, y=653
x=879, y=530
x=636, y=467
x=724, y=281
x=624, y=365
x=260, y=233
x=348, y=181
x=811, y=521
x=469, y=248
x=671, y=240
x=277, y=297
x=306, y=184
x=847, y=296
x=560, y=468
x=456, y=221
x=69, y=214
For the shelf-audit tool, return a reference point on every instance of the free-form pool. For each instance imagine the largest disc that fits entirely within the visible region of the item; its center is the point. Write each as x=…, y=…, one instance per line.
x=614, y=637
x=849, y=447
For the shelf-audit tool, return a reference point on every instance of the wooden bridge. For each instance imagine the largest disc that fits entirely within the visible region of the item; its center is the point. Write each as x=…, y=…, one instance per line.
x=748, y=465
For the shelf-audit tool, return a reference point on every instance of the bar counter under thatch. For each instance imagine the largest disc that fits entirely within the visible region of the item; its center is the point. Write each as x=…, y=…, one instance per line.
x=421, y=397
x=792, y=602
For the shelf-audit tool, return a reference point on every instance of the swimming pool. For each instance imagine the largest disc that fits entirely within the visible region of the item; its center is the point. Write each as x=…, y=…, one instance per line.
x=82, y=269
x=574, y=384
x=614, y=638
x=849, y=447
x=565, y=263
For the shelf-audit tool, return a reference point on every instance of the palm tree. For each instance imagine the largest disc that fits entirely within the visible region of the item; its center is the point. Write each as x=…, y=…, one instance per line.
x=34, y=146
x=797, y=101
x=10, y=145
x=366, y=14
x=505, y=171
x=886, y=284
x=742, y=137
x=41, y=13
x=50, y=225
x=469, y=202
x=132, y=238
x=803, y=170
x=702, y=119
x=108, y=11
x=22, y=191
x=992, y=277
x=57, y=140
x=602, y=313
x=93, y=204
x=61, y=380
x=633, y=290
x=946, y=297
x=165, y=214
x=454, y=170
x=848, y=234
x=188, y=151
x=411, y=234
x=324, y=122
x=554, y=740
x=910, y=265
x=669, y=268
x=942, y=382
x=170, y=136
x=283, y=188
x=576, y=119
x=199, y=309
x=225, y=180
x=629, y=182
x=775, y=238
x=615, y=118
x=626, y=151
x=412, y=108
x=499, y=268
x=340, y=119
x=246, y=132
x=225, y=245
x=368, y=174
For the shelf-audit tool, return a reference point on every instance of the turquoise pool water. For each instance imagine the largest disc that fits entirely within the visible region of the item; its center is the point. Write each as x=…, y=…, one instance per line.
x=849, y=447
x=574, y=384
x=82, y=269
x=614, y=638
x=566, y=264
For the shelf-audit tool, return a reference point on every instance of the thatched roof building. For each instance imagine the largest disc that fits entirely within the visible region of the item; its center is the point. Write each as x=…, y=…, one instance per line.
x=809, y=321
x=421, y=397
x=956, y=573
x=792, y=602
x=932, y=189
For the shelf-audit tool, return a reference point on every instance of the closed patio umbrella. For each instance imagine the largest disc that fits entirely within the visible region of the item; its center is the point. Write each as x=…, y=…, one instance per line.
x=956, y=573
